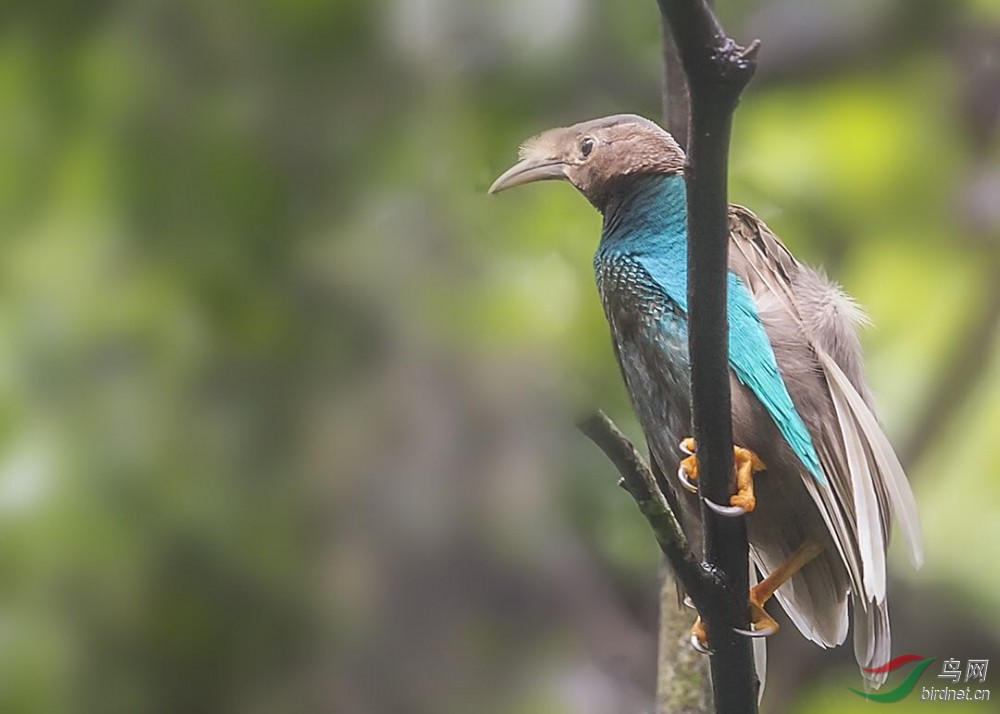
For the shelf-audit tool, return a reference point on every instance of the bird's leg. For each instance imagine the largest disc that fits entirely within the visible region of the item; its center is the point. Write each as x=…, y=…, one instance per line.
x=762, y=624
x=747, y=464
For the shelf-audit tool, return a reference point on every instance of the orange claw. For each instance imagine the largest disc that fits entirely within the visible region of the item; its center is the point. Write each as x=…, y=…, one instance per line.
x=747, y=463
x=687, y=472
x=699, y=637
x=762, y=624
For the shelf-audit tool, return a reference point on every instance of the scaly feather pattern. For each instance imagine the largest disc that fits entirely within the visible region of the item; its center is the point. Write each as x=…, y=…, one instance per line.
x=656, y=237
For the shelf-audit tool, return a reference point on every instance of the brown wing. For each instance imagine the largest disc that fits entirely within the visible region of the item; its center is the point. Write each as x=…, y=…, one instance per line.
x=867, y=482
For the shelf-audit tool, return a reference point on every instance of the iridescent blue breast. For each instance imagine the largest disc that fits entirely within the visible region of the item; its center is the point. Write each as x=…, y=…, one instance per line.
x=649, y=334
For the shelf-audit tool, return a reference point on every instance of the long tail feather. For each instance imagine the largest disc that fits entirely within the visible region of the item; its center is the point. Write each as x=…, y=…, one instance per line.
x=890, y=471
x=872, y=640
x=870, y=540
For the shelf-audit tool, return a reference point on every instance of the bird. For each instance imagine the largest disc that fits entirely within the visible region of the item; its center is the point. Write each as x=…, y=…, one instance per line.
x=817, y=478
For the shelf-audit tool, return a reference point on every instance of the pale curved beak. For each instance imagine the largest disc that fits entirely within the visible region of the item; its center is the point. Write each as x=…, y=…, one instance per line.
x=529, y=171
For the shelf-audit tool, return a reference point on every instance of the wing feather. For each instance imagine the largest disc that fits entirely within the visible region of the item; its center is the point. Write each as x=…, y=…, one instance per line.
x=889, y=471
x=869, y=533
x=867, y=483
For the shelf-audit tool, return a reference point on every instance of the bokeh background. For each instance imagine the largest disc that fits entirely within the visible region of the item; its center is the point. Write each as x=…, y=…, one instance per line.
x=286, y=400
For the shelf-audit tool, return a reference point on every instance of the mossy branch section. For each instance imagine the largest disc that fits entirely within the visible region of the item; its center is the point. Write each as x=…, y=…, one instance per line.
x=682, y=677
x=637, y=478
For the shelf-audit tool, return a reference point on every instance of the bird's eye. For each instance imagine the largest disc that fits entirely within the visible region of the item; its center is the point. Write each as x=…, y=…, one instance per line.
x=586, y=146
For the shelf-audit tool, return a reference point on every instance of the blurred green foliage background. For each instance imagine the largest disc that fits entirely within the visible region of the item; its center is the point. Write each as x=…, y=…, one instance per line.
x=286, y=400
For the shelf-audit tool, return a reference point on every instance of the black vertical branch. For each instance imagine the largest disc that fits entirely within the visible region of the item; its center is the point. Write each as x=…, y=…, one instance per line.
x=717, y=70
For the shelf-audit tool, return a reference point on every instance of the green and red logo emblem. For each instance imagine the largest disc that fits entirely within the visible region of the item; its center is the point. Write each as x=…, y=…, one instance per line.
x=905, y=687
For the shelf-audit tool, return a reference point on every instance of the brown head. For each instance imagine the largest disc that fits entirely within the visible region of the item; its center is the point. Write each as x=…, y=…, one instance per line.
x=593, y=155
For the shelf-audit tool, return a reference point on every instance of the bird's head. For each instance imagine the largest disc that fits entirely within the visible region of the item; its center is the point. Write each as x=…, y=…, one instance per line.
x=594, y=155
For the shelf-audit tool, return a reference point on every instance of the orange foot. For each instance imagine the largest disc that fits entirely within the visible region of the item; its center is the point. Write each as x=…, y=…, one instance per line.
x=699, y=637
x=747, y=464
x=762, y=624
